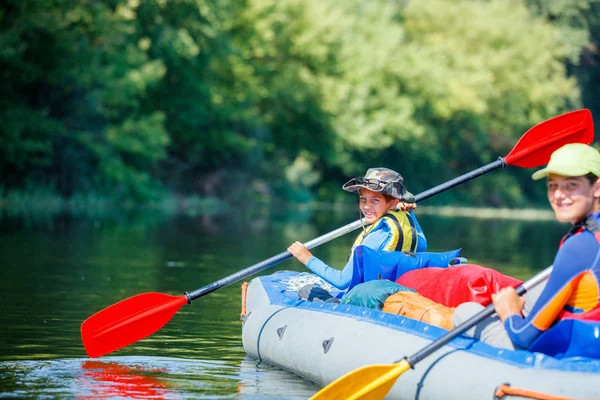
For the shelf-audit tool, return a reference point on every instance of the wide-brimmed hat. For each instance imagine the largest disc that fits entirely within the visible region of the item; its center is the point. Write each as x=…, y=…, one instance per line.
x=574, y=159
x=382, y=180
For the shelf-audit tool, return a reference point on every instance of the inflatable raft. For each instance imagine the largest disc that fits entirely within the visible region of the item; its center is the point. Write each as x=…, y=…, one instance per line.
x=322, y=341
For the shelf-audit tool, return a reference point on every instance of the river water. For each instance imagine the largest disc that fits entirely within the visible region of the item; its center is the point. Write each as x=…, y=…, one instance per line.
x=59, y=270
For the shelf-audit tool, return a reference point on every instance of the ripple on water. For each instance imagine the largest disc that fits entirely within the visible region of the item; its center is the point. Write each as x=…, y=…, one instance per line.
x=149, y=378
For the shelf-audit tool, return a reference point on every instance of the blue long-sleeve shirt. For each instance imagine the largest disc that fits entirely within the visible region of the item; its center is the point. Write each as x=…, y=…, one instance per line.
x=376, y=239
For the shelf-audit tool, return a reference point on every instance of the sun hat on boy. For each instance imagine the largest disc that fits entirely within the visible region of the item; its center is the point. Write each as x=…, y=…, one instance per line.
x=382, y=180
x=574, y=159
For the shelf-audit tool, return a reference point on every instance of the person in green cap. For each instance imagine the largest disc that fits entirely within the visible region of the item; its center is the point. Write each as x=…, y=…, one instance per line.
x=573, y=288
x=387, y=208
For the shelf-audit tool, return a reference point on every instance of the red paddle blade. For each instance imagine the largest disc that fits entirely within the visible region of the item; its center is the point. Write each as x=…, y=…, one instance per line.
x=128, y=321
x=537, y=144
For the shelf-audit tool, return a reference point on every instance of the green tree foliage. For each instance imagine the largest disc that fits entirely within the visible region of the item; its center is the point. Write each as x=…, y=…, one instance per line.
x=579, y=24
x=432, y=84
x=484, y=72
x=127, y=97
x=74, y=80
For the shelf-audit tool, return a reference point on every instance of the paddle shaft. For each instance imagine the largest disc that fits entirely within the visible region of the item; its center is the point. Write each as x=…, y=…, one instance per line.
x=270, y=262
x=476, y=319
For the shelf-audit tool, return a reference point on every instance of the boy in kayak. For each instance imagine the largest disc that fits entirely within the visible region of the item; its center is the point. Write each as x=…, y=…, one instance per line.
x=387, y=208
x=572, y=290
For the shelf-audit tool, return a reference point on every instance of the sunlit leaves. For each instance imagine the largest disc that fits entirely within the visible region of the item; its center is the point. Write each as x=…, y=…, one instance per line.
x=129, y=94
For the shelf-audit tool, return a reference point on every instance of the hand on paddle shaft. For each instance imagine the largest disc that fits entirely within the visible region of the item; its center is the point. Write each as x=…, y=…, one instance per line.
x=140, y=316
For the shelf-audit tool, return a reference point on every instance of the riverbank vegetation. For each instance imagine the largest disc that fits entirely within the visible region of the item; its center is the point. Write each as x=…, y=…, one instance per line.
x=128, y=102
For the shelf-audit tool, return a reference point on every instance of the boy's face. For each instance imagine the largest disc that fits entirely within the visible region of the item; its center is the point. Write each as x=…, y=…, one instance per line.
x=572, y=198
x=373, y=205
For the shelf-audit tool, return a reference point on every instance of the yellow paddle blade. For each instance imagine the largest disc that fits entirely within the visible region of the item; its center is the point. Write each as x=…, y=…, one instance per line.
x=371, y=382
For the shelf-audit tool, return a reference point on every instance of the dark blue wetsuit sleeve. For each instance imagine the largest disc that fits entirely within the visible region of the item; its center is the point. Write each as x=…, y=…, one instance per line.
x=576, y=257
x=341, y=279
x=422, y=242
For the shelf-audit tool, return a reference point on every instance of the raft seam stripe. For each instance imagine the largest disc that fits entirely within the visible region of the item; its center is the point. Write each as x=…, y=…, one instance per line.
x=261, y=331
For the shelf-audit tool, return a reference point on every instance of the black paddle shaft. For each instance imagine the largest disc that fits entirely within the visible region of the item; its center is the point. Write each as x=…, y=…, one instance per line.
x=499, y=163
x=269, y=262
x=474, y=320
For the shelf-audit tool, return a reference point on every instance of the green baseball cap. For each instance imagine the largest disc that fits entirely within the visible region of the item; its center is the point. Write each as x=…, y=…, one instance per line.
x=574, y=159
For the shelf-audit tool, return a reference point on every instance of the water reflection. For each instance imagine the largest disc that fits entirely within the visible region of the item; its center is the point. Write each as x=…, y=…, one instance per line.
x=103, y=380
x=263, y=381
x=138, y=377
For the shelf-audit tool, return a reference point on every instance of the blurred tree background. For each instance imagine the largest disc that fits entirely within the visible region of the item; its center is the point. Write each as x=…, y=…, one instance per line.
x=133, y=100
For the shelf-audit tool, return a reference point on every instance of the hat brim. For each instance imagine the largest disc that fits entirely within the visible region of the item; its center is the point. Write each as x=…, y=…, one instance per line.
x=353, y=186
x=564, y=171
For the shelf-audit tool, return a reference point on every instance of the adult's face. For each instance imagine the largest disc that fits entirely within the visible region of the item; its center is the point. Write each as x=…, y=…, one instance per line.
x=572, y=198
x=374, y=205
